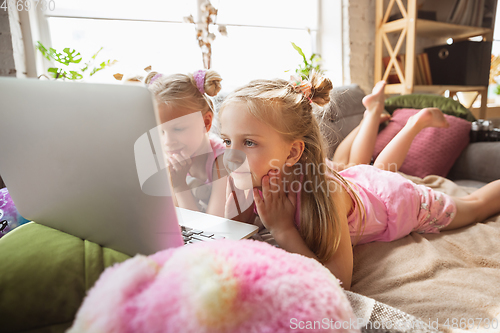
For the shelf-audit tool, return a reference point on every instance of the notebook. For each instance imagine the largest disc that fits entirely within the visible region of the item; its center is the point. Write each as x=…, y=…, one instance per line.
x=71, y=156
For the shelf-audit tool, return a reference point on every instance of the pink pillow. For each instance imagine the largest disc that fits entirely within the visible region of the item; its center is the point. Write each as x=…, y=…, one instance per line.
x=433, y=151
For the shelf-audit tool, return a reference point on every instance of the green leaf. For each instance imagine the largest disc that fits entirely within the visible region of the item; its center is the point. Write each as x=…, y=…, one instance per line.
x=71, y=57
x=87, y=64
x=75, y=75
x=43, y=50
x=103, y=65
x=97, y=69
x=57, y=73
x=67, y=57
x=298, y=49
x=95, y=54
x=53, y=72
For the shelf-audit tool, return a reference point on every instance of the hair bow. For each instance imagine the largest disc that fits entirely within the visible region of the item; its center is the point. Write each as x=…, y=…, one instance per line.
x=302, y=86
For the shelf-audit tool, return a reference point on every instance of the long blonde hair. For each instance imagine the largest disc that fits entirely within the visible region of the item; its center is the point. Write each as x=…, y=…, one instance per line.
x=181, y=90
x=289, y=111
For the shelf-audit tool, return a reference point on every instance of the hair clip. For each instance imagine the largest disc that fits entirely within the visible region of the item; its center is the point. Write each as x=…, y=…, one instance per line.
x=199, y=78
x=302, y=86
x=154, y=78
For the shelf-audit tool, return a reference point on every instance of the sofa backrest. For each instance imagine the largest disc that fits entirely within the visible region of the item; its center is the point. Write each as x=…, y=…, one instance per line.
x=342, y=115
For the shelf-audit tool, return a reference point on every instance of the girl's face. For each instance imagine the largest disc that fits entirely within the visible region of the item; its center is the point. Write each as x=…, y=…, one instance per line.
x=246, y=136
x=184, y=131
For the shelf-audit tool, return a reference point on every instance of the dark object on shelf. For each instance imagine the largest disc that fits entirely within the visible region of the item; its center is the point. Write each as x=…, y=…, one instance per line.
x=483, y=130
x=421, y=14
x=462, y=63
x=475, y=132
x=494, y=135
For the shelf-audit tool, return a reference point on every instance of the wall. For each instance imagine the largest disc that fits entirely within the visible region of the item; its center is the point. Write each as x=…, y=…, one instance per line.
x=359, y=42
x=12, y=59
x=7, y=65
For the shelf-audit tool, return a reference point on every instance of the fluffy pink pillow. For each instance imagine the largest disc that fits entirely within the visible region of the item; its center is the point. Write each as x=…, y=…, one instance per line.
x=433, y=151
x=216, y=287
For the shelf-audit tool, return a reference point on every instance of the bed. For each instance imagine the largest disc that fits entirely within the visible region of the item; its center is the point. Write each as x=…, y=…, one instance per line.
x=450, y=280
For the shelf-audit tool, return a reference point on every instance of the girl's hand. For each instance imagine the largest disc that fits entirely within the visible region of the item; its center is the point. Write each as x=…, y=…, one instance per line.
x=178, y=167
x=276, y=209
x=239, y=203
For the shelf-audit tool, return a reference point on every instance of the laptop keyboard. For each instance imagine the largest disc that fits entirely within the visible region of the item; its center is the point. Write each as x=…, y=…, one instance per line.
x=192, y=236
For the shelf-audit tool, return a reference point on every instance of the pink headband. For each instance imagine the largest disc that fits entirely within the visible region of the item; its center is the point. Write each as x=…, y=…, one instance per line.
x=199, y=78
x=154, y=78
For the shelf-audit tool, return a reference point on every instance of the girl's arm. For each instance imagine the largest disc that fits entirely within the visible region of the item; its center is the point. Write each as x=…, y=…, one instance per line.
x=340, y=264
x=217, y=201
x=222, y=202
x=178, y=168
x=185, y=198
x=277, y=209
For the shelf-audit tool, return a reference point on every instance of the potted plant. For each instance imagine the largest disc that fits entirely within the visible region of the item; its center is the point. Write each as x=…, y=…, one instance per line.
x=69, y=60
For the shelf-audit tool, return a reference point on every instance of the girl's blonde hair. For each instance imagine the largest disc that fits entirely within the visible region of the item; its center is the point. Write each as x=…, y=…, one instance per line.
x=181, y=90
x=289, y=111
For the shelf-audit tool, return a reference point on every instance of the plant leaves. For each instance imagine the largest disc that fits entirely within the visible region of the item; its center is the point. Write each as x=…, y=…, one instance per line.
x=298, y=49
x=103, y=65
x=56, y=73
x=95, y=54
x=75, y=75
x=70, y=56
x=43, y=50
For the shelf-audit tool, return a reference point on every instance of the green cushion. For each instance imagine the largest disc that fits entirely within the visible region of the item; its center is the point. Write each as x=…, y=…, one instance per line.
x=44, y=277
x=416, y=101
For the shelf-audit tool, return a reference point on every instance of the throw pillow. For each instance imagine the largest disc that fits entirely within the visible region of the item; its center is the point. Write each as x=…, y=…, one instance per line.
x=434, y=150
x=222, y=286
x=416, y=101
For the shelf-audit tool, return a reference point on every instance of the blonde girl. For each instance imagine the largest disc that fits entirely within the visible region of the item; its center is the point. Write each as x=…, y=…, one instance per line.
x=308, y=207
x=193, y=156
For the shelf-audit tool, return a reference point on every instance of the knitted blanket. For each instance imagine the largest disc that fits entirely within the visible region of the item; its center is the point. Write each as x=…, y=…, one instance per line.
x=448, y=280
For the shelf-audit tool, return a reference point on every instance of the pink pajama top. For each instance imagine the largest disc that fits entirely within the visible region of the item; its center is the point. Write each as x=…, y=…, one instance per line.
x=202, y=189
x=394, y=206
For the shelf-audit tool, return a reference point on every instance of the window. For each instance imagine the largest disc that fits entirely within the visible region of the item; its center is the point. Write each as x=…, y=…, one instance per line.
x=152, y=32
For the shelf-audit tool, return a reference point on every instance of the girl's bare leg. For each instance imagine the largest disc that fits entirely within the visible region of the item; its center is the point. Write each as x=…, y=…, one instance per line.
x=393, y=155
x=357, y=147
x=343, y=151
x=477, y=206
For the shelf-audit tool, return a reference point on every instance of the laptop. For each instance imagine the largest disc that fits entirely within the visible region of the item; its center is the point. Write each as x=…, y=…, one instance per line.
x=71, y=155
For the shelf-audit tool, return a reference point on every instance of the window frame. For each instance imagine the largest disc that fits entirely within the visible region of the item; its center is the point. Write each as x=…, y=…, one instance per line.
x=326, y=39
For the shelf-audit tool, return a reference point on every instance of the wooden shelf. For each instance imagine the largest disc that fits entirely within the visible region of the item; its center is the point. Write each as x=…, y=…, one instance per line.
x=436, y=89
x=435, y=29
x=493, y=112
x=411, y=29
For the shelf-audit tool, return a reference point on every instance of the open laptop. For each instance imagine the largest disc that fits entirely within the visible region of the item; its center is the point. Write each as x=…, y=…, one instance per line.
x=69, y=157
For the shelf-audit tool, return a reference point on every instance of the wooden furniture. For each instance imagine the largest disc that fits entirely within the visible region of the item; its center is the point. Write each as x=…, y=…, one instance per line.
x=493, y=111
x=411, y=28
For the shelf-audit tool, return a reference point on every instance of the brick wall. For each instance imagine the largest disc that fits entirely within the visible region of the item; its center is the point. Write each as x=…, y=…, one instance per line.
x=359, y=42
x=7, y=64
